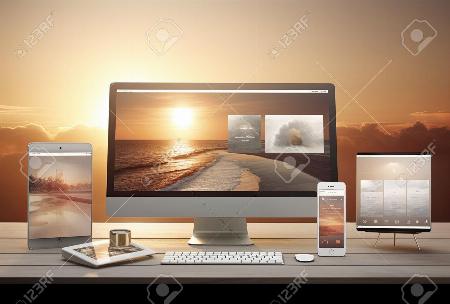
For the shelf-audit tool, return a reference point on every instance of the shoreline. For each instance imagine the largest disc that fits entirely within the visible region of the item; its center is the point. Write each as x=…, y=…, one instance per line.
x=188, y=178
x=68, y=197
x=244, y=172
x=249, y=181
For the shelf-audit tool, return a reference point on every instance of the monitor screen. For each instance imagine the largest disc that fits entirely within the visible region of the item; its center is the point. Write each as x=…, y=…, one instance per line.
x=393, y=191
x=221, y=142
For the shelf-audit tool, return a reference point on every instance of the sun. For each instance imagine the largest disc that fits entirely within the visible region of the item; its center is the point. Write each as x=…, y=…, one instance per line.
x=182, y=117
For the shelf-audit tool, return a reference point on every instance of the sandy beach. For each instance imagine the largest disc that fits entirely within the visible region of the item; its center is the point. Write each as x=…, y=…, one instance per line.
x=52, y=215
x=241, y=172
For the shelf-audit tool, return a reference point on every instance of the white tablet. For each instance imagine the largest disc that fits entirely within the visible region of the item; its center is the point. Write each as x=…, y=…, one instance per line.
x=59, y=194
x=99, y=253
x=393, y=192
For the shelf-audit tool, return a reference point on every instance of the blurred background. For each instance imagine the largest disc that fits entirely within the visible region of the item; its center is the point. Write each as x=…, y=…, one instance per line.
x=388, y=59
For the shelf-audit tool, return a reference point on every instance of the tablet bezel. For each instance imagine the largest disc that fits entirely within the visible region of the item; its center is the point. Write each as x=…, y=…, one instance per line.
x=390, y=228
x=57, y=242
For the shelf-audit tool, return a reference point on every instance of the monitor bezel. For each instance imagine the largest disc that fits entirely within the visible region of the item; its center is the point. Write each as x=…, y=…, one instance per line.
x=110, y=192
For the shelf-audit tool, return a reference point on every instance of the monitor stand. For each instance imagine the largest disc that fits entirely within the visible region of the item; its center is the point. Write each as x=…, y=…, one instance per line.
x=230, y=231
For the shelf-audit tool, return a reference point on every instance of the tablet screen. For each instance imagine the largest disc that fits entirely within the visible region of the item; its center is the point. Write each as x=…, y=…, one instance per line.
x=102, y=251
x=394, y=191
x=59, y=194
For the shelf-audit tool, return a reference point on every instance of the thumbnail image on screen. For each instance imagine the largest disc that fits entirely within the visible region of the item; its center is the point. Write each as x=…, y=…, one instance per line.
x=171, y=141
x=331, y=223
x=60, y=195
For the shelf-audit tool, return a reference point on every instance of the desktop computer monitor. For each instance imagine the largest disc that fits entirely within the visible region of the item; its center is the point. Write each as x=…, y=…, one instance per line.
x=219, y=153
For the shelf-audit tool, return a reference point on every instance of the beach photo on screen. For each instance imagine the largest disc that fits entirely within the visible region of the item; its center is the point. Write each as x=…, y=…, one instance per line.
x=168, y=141
x=60, y=198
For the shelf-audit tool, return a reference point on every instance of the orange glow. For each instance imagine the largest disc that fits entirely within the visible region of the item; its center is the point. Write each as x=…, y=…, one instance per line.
x=182, y=117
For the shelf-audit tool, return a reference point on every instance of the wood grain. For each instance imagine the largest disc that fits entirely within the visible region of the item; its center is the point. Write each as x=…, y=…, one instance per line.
x=363, y=263
x=256, y=230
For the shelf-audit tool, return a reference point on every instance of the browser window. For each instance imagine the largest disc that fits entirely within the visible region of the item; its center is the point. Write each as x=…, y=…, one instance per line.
x=221, y=141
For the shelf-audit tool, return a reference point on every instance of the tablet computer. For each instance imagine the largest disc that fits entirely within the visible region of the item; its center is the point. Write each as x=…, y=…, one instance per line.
x=100, y=253
x=393, y=192
x=59, y=194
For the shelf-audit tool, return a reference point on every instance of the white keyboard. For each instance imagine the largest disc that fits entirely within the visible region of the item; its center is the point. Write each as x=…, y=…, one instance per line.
x=224, y=257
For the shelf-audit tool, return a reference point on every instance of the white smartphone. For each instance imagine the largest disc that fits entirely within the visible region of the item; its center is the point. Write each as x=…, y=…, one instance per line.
x=331, y=230
x=59, y=194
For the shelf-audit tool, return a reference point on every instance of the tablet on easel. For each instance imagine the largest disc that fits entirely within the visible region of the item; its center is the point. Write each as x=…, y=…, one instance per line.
x=393, y=192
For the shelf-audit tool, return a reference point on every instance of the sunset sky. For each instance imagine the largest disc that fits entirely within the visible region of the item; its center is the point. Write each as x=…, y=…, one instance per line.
x=63, y=79
x=58, y=59
x=332, y=214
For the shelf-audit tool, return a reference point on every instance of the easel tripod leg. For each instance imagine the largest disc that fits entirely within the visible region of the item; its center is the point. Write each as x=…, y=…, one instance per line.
x=415, y=240
x=378, y=238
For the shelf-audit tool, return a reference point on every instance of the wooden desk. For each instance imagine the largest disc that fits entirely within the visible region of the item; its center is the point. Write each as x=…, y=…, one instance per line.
x=363, y=264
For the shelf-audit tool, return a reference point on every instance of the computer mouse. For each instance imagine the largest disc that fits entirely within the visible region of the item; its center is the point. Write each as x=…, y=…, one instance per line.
x=303, y=257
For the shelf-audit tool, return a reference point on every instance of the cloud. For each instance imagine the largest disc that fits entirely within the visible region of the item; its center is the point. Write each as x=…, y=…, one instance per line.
x=299, y=133
x=15, y=140
x=414, y=138
x=81, y=133
x=293, y=133
x=433, y=119
x=5, y=109
x=365, y=138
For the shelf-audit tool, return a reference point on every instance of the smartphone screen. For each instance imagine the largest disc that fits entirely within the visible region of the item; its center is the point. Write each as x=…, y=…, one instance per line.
x=60, y=194
x=331, y=218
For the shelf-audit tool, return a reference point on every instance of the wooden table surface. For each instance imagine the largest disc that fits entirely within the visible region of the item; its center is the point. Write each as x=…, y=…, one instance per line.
x=363, y=263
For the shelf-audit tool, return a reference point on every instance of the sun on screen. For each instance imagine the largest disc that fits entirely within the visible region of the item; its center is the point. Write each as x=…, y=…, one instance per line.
x=182, y=117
